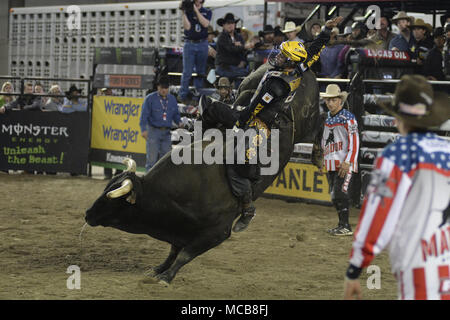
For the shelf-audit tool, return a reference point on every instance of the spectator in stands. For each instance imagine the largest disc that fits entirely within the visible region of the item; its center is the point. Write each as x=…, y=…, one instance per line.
x=340, y=143
x=383, y=36
x=432, y=67
x=279, y=36
x=329, y=57
x=106, y=92
x=405, y=40
x=357, y=39
x=346, y=35
x=54, y=103
x=212, y=35
x=23, y=100
x=195, y=49
x=159, y=110
x=39, y=101
x=291, y=31
x=267, y=35
x=224, y=91
x=231, y=52
x=359, y=31
x=313, y=29
x=245, y=34
x=424, y=42
x=72, y=101
x=7, y=87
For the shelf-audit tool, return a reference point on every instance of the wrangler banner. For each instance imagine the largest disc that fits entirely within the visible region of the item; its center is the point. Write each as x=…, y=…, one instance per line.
x=44, y=141
x=115, y=133
x=301, y=181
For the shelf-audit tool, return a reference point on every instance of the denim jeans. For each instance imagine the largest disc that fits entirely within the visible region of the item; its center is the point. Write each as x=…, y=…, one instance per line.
x=158, y=144
x=232, y=73
x=195, y=55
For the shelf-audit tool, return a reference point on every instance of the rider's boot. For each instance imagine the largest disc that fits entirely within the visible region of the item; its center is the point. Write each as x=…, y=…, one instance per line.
x=248, y=213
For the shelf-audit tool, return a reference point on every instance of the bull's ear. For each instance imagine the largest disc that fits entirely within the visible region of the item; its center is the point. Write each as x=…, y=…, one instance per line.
x=125, y=188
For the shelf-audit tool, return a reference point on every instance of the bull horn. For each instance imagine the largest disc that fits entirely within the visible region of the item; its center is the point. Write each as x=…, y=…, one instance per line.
x=125, y=188
x=131, y=165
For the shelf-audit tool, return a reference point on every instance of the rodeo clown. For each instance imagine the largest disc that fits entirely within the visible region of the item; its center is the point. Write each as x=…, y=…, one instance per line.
x=407, y=204
x=273, y=95
x=340, y=144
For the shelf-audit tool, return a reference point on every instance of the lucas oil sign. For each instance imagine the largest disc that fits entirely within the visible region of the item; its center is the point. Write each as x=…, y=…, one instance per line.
x=301, y=181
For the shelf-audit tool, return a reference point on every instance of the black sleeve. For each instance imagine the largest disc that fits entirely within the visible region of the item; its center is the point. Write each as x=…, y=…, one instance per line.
x=316, y=48
x=432, y=65
x=13, y=104
x=224, y=43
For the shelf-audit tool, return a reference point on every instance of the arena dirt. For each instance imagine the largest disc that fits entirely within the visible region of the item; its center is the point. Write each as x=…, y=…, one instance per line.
x=285, y=253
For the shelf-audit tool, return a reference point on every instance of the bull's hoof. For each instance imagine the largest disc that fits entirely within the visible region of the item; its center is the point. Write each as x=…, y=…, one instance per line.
x=164, y=279
x=153, y=271
x=164, y=283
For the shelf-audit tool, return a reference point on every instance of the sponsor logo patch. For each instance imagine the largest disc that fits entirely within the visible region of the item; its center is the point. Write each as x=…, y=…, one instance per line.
x=267, y=98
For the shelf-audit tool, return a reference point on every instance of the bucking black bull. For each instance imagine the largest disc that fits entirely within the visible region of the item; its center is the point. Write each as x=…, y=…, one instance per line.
x=191, y=206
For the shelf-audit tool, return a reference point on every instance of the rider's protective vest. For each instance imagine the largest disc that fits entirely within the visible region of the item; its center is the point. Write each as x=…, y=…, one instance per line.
x=275, y=90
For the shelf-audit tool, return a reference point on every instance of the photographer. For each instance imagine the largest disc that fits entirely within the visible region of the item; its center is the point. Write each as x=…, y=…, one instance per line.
x=196, y=20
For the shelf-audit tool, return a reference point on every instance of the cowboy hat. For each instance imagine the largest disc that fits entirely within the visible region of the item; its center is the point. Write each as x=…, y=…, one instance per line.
x=290, y=27
x=223, y=82
x=416, y=104
x=267, y=29
x=347, y=31
x=334, y=91
x=229, y=17
x=419, y=23
x=402, y=15
x=163, y=81
x=73, y=88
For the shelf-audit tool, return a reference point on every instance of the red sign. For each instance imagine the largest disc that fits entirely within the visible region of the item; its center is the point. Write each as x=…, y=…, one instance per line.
x=124, y=81
x=387, y=54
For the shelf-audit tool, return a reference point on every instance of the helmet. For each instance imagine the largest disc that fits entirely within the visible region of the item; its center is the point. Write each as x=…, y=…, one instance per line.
x=289, y=54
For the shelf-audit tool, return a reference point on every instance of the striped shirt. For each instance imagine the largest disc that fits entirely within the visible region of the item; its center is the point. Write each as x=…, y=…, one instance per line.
x=403, y=208
x=340, y=141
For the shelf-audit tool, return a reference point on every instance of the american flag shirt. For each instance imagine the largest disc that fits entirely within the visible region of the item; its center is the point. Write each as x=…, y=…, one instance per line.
x=340, y=141
x=403, y=209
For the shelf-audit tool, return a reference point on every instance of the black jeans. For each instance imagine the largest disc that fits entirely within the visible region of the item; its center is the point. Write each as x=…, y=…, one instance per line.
x=340, y=199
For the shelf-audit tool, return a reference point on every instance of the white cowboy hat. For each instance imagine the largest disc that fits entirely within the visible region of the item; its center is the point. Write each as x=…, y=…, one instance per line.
x=402, y=15
x=290, y=26
x=333, y=91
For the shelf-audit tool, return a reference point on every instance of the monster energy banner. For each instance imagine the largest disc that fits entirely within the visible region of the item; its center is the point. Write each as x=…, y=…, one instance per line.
x=44, y=141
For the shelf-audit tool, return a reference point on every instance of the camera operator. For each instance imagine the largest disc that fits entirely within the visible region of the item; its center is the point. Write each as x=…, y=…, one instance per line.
x=196, y=20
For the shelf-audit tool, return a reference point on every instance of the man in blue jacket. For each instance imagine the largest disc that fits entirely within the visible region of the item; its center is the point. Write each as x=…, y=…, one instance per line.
x=159, y=110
